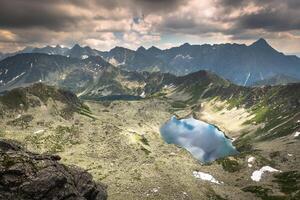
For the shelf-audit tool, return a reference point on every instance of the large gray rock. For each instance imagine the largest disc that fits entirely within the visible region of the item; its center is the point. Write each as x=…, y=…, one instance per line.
x=25, y=175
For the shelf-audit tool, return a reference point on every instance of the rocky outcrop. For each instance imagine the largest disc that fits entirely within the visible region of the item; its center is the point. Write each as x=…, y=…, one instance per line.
x=26, y=175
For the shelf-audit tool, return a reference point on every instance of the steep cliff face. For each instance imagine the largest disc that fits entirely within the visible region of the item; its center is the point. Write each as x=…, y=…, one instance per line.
x=25, y=175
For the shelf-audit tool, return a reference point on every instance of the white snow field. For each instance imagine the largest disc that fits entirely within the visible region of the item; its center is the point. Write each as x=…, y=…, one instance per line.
x=256, y=175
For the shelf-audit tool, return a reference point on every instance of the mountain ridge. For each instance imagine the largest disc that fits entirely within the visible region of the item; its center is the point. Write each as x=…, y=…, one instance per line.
x=241, y=64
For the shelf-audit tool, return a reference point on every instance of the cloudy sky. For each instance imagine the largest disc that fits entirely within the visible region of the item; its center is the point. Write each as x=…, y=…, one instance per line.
x=103, y=24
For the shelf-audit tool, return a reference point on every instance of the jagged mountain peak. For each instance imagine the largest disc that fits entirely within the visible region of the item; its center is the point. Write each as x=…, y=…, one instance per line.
x=154, y=51
x=260, y=43
x=76, y=46
x=87, y=48
x=203, y=77
x=120, y=49
x=141, y=48
x=154, y=48
x=186, y=45
x=27, y=49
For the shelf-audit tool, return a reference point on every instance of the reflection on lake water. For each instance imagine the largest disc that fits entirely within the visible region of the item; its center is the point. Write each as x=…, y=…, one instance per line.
x=204, y=141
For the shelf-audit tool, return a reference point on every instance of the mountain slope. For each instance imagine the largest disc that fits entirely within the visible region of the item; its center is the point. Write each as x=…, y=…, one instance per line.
x=25, y=69
x=75, y=52
x=92, y=77
x=138, y=60
x=37, y=96
x=277, y=80
x=28, y=68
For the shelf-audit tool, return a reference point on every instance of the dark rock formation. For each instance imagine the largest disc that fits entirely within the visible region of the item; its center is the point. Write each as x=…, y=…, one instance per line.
x=25, y=175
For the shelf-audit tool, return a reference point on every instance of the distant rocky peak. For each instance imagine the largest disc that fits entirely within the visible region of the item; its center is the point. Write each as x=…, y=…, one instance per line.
x=154, y=48
x=154, y=51
x=141, y=49
x=260, y=43
x=186, y=45
x=76, y=46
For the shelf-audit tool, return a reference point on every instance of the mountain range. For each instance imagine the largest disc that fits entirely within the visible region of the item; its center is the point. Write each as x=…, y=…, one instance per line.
x=92, y=77
x=241, y=64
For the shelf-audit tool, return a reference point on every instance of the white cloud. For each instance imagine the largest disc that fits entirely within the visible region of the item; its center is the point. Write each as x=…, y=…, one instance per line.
x=105, y=41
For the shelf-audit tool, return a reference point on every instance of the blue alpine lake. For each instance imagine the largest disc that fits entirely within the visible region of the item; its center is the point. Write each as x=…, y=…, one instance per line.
x=204, y=141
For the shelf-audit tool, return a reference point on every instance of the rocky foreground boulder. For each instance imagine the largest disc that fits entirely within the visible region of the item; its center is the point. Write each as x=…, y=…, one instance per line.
x=25, y=175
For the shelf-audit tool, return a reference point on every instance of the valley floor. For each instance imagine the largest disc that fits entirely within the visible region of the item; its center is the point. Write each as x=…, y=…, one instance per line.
x=120, y=145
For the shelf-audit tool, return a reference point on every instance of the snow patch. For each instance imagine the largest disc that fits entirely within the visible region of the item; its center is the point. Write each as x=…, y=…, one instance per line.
x=246, y=81
x=143, y=95
x=82, y=93
x=251, y=160
x=297, y=134
x=39, y=131
x=84, y=57
x=206, y=177
x=63, y=76
x=16, y=77
x=256, y=175
x=172, y=154
x=114, y=61
x=182, y=57
x=169, y=86
x=155, y=190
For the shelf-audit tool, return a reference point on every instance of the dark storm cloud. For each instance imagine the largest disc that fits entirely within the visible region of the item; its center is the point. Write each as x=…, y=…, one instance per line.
x=143, y=5
x=232, y=3
x=189, y=26
x=159, y=5
x=271, y=15
x=270, y=20
x=55, y=15
x=35, y=13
